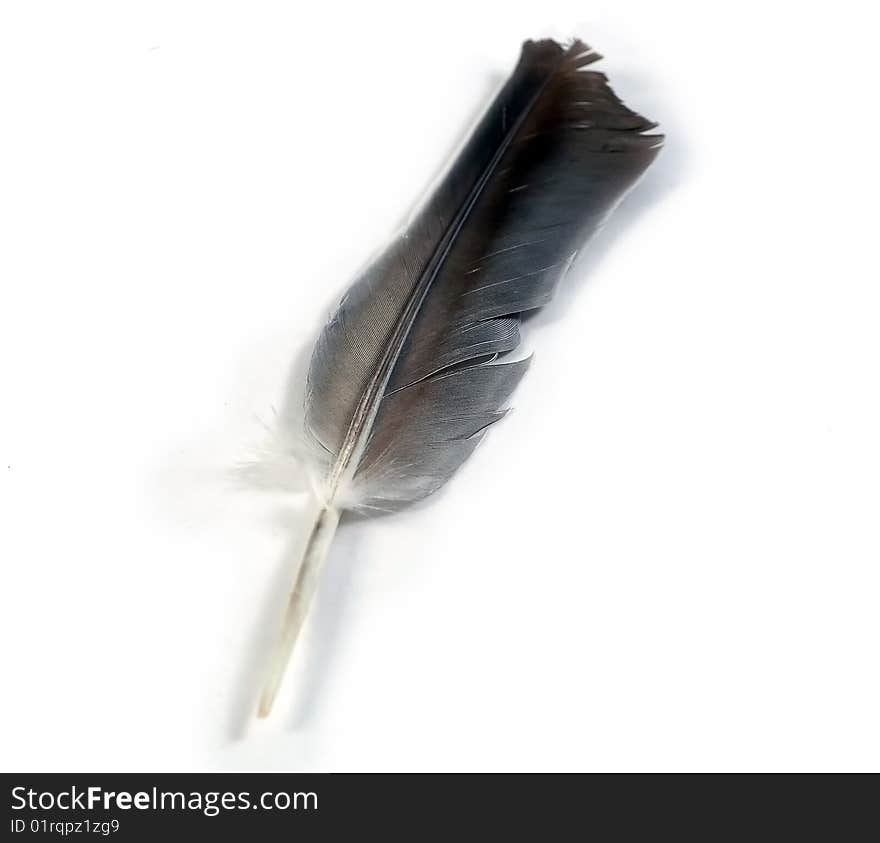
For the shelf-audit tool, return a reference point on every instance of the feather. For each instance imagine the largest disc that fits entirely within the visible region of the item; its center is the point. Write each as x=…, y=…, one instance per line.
x=413, y=367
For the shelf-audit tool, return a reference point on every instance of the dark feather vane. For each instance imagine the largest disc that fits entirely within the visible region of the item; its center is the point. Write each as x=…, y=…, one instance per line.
x=410, y=372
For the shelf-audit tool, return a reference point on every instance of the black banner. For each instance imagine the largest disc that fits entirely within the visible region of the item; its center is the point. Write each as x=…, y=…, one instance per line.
x=149, y=807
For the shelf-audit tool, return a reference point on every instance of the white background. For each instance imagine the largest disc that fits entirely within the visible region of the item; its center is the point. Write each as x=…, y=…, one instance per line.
x=667, y=558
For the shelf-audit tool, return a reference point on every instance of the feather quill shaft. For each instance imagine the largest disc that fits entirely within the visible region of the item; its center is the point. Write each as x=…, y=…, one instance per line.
x=314, y=555
x=411, y=371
